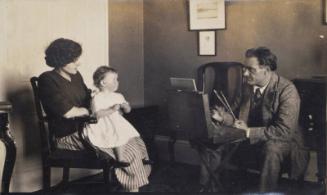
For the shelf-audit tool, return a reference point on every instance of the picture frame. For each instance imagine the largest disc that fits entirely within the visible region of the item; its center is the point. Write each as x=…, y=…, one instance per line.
x=207, y=43
x=206, y=14
x=325, y=12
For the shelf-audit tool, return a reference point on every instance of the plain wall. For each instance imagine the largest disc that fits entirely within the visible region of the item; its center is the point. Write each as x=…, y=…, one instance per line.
x=126, y=47
x=27, y=27
x=292, y=29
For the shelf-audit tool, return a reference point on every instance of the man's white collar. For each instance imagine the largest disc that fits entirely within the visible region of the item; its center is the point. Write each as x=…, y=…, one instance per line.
x=262, y=89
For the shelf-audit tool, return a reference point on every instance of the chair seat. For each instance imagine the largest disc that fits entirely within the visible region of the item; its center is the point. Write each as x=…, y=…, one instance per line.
x=76, y=159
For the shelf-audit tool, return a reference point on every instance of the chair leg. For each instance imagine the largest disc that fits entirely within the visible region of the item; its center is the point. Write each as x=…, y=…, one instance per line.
x=171, y=149
x=46, y=178
x=65, y=176
x=106, y=174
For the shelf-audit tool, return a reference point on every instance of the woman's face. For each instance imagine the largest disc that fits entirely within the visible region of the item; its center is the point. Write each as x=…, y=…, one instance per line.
x=71, y=68
x=110, y=81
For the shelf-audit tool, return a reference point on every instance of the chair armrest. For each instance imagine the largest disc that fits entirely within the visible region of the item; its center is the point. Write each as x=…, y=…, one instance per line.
x=83, y=119
x=86, y=119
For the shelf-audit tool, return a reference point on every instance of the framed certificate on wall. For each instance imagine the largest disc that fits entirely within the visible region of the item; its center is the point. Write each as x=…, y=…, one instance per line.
x=206, y=14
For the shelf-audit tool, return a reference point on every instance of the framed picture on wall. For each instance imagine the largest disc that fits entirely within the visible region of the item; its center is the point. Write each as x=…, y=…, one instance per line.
x=206, y=14
x=207, y=43
x=325, y=12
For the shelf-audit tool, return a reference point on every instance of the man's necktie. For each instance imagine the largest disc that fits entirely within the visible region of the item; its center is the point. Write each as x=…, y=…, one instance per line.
x=255, y=115
x=257, y=96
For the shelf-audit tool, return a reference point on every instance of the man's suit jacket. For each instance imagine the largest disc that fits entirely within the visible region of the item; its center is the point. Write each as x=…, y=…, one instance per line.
x=280, y=111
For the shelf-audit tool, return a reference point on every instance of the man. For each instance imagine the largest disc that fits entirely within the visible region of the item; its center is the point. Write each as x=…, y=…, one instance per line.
x=268, y=113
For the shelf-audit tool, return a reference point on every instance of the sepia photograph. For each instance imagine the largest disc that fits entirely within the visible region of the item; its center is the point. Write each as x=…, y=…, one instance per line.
x=163, y=96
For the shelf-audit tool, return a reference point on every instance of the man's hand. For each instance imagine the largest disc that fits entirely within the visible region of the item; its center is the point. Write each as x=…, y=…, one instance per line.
x=217, y=114
x=242, y=125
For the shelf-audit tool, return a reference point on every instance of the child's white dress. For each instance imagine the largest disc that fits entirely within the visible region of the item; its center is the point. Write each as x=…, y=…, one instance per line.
x=112, y=130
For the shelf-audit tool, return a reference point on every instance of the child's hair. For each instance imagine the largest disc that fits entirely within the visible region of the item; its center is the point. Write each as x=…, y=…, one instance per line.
x=100, y=73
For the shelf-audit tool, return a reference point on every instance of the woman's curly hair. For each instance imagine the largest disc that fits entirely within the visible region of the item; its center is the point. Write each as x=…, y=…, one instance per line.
x=62, y=52
x=100, y=73
x=264, y=56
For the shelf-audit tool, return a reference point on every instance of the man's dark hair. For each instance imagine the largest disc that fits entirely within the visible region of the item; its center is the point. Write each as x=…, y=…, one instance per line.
x=264, y=56
x=100, y=73
x=62, y=52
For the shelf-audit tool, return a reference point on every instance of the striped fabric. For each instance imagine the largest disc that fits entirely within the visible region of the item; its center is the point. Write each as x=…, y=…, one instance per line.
x=131, y=177
x=70, y=142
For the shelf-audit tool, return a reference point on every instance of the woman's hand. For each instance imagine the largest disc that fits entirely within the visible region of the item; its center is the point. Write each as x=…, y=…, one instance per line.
x=77, y=112
x=126, y=107
x=94, y=92
x=116, y=107
x=108, y=111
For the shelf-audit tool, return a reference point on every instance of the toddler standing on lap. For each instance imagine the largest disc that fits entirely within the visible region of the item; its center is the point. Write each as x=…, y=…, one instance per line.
x=112, y=129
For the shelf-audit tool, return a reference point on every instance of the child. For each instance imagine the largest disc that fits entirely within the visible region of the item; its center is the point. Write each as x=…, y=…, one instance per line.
x=112, y=129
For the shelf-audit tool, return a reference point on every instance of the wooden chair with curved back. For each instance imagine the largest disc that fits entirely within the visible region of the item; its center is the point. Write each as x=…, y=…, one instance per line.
x=91, y=158
x=221, y=76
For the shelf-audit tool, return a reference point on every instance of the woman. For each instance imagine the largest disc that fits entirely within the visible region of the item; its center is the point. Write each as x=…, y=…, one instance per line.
x=64, y=95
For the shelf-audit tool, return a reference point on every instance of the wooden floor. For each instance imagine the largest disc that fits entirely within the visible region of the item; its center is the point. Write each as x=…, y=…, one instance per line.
x=177, y=177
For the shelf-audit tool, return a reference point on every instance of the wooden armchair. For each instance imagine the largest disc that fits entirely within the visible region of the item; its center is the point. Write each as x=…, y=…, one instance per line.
x=91, y=158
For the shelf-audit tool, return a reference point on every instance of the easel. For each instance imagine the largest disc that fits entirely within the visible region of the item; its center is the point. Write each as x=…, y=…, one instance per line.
x=190, y=115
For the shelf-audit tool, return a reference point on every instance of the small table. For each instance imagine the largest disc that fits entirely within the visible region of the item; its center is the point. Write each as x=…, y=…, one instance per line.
x=7, y=139
x=189, y=114
x=145, y=120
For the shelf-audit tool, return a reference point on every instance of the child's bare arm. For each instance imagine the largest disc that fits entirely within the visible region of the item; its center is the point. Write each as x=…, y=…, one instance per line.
x=126, y=107
x=108, y=111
